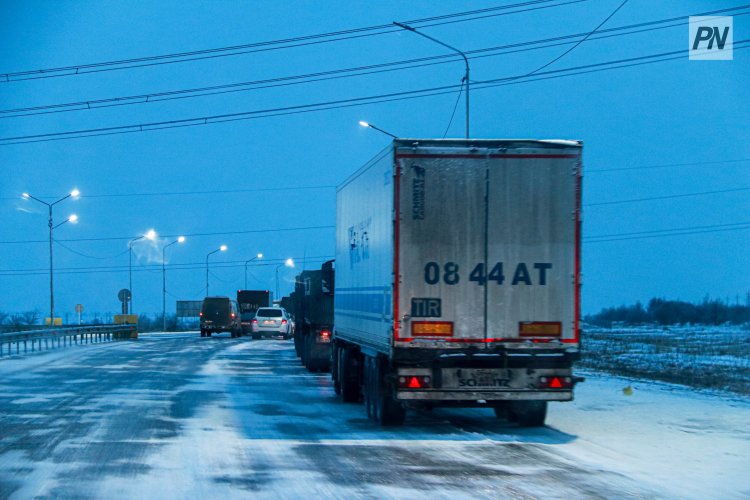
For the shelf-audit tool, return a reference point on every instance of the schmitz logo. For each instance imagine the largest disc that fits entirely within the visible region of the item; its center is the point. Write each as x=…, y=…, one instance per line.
x=710, y=38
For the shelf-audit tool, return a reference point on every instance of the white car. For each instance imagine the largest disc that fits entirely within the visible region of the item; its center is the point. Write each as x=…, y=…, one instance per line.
x=271, y=321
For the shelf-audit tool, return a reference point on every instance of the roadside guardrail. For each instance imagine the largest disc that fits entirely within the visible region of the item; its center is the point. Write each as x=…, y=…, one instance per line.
x=51, y=338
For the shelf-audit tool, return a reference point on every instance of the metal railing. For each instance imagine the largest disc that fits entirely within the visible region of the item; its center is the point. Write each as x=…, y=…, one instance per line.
x=51, y=338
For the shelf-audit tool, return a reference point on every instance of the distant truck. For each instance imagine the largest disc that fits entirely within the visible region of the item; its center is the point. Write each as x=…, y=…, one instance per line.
x=250, y=301
x=312, y=307
x=458, y=278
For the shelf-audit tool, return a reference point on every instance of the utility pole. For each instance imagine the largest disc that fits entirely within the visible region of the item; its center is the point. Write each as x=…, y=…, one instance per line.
x=454, y=49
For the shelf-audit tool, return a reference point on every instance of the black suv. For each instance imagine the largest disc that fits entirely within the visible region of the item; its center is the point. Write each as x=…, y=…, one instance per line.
x=220, y=314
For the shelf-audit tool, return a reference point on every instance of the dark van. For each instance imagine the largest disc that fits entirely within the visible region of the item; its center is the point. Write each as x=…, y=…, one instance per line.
x=220, y=314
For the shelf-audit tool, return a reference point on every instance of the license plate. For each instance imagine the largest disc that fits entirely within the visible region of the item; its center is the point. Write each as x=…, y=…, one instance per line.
x=269, y=322
x=463, y=378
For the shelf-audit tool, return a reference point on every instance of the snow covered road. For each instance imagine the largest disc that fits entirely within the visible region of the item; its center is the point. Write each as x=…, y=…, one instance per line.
x=179, y=416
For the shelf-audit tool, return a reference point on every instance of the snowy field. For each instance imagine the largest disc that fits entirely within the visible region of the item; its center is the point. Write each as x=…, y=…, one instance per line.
x=177, y=416
x=715, y=357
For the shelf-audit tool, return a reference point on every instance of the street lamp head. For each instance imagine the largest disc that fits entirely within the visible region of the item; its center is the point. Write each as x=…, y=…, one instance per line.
x=289, y=262
x=223, y=248
x=150, y=235
x=73, y=218
x=181, y=239
x=364, y=123
x=75, y=193
x=259, y=256
x=25, y=196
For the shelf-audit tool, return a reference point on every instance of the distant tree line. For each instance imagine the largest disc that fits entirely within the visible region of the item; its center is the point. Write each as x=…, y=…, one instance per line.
x=146, y=322
x=673, y=312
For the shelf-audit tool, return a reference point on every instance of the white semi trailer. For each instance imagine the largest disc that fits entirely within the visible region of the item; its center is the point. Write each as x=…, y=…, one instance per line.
x=458, y=277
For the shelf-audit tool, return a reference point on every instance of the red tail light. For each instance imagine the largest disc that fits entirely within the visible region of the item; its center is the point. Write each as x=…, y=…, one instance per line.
x=255, y=321
x=325, y=333
x=556, y=382
x=234, y=315
x=200, y=314
x=414, y=382
x=283, y=322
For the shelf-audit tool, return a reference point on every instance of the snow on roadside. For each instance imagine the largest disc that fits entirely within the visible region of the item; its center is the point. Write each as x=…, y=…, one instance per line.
x=693, y=444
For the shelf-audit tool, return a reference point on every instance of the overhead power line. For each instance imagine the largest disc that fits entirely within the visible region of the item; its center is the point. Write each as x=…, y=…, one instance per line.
x=280, y=44
x=668, y=232
x=333, y=186
x=667, y=165
x=659, y=233
x=152, y=269
x=352, y=102
x=189, y=193
x=319, y=76
x=191, y=235
x=667, y=197
x=157, y=266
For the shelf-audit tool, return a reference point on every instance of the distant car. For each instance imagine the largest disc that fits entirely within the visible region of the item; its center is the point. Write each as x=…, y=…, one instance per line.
x=220, y=314
x=271, y=321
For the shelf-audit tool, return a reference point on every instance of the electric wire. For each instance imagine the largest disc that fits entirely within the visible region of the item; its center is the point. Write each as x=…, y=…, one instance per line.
x=345, y=103
x=667, y=165
x=667, y=197
x=81, y=254
x=340, y=73
x=271, y=45
x=570, y=49
x=191, y=235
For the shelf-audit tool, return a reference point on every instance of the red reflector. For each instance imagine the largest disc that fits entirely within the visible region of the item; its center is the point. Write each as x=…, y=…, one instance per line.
x=555, y=383
x=414, y=383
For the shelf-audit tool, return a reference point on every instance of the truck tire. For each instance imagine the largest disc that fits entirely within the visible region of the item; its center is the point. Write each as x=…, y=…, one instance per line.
x=368, y=388
x=203, y=332
x=349, y=375
x=528, y=413
x=335, y=368
x=387, y=410
x=298, y=336
x=501, y=411
x=307, y=349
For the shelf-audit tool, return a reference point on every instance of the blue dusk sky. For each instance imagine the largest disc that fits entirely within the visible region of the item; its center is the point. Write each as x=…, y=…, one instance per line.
x=666, y=155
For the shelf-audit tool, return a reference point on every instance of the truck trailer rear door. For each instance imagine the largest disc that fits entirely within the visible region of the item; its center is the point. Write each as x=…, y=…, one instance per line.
x=440, y=237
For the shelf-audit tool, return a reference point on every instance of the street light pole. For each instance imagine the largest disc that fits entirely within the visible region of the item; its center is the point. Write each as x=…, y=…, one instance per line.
x=454, y=49
x=181, y=239
x=150, y=235
x=259, y=256
x=288, y=263
x=73, y=218
x=370, y=125
x=222, y=248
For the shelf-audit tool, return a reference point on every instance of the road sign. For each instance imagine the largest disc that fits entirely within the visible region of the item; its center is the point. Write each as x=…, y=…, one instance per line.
x=79, y=308
x=124, y=295
x=188, y=308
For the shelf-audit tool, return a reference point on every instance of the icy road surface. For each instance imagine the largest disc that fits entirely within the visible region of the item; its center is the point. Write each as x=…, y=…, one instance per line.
x=179, y=416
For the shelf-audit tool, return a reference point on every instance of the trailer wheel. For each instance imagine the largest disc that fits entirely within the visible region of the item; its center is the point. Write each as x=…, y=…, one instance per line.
x=349, y=374
x=309, y=362
x=501, y=411
x=388, y=411
x=203, y=332
x=335, y=368
x=298, y=336
x=528, y=413
x=367, y=388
